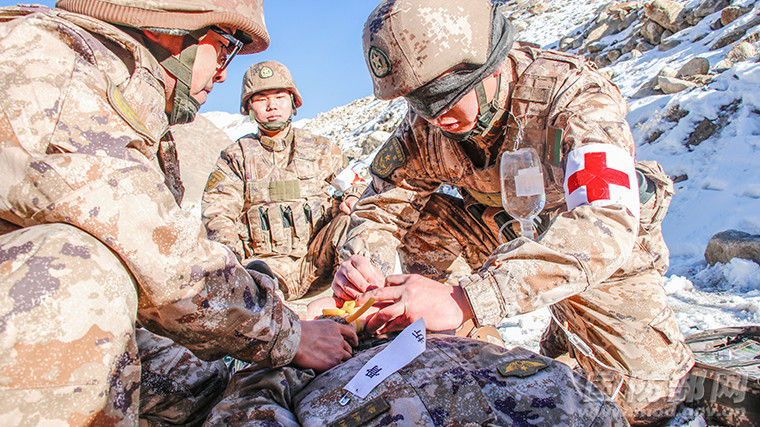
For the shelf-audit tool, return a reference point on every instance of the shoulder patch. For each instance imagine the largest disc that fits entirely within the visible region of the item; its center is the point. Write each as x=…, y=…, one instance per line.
x=389, y=158
x=213, y=180
x=522, y=367
x=117, y=101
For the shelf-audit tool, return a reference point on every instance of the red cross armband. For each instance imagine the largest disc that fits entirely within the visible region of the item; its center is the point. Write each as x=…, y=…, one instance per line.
x=601, y=175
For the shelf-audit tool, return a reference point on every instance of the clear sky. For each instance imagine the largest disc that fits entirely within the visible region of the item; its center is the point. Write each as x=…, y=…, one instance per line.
x=319, y=41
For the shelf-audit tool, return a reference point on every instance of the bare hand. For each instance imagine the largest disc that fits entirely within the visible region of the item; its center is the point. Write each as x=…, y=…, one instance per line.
x=412, y=297
x=347, y=205
x=355, y=276
x=324, y=344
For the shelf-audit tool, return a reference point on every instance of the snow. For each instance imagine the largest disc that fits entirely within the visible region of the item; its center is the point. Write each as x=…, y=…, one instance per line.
x=722, y=186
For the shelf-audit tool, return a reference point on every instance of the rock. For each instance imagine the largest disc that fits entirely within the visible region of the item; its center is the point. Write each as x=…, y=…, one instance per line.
x=667, y=13
x=726, y=245
x=730, y=14
x=521, y=25
x=566, y=43
x=635, y=53
x=643, y=46
x=613, y=55
x=673, y=85
x=596, y=33
x=198, y=146
x=705, y=8
x=695, y=66
x=700, y=79
x=374, y=140
x=595, y=47
x=539, y=8
x=740, y=52
x=667, y=45
x=667, y=72
x=609, y=73
x=652, y=32
x=735, y=34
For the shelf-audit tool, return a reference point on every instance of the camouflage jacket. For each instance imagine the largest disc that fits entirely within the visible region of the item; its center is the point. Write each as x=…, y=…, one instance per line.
x=269, y=197
x=585, y=253
x=81, y=121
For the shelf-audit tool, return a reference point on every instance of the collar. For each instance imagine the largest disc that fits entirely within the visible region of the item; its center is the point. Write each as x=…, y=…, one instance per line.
x=277, y=144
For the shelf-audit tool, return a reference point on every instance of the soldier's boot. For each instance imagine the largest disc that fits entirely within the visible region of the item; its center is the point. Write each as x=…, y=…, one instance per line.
x=177, y=388
x=67, y=313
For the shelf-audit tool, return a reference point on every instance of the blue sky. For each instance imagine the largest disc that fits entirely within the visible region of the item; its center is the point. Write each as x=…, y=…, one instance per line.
x=319, y=41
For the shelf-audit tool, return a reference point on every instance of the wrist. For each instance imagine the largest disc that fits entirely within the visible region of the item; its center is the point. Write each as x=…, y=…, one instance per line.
x=463, y=303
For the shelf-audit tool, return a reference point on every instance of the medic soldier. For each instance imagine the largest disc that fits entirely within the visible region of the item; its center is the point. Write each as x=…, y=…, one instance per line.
x=269, y=197
x=598, y=261
x=92, y=239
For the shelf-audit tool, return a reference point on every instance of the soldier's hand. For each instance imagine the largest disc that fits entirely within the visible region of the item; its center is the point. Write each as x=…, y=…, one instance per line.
x=354, y=277
x=410, y=297
x=347, y=205
x=324, y=344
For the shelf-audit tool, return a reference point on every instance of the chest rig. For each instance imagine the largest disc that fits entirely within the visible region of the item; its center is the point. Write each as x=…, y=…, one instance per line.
x=527, y=123
x=280, y=211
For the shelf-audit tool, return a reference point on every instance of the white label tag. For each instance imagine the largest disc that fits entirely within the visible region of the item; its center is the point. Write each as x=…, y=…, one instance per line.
x=403, y=349
x=529, y=182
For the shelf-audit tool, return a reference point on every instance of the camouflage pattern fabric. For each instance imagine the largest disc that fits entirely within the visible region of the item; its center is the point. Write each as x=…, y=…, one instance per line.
x=176, y=387
x=456, y=381
x=268, y=199
x=593, y=265
x=79, y=131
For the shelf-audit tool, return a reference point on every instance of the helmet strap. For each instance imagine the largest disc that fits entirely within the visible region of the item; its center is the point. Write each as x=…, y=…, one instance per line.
x=184, y=107
x=488, y=118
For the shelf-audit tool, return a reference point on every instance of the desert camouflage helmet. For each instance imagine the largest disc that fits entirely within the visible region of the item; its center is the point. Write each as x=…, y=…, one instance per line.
x=265, y=76
x=408, y=43
x=189, y=15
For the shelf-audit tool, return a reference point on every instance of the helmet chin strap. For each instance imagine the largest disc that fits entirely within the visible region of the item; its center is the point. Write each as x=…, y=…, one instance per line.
x=184, y=107
x=489, y=119
x=277, y=126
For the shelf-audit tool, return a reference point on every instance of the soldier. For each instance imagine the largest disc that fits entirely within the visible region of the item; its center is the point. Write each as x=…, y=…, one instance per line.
x=268, y=198
x=91, y=235
x=599, y=259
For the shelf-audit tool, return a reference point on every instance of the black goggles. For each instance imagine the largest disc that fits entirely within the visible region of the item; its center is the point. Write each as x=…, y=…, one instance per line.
x=236, y=43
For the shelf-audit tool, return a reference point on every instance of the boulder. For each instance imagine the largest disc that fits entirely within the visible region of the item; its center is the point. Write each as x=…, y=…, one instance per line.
x=667, y=13
x=668, y=44
x=652, y=32
x=740, y=52
x=695, y=66
x=613, y=55
x=673, y=85
x=374, y=140
x=705, y=8
x=726, y=245
x=730, y=14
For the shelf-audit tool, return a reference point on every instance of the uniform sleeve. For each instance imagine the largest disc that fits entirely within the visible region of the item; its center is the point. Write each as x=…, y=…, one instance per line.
x=389, y=206
x=223, y=201
x=581, y=248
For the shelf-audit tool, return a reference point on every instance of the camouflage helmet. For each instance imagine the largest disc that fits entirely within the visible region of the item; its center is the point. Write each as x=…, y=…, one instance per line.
x=265, y=76
x=188, y=15
x=408, y=43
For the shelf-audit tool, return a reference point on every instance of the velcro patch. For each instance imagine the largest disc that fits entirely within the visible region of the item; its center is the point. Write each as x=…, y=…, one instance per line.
x=117, y=101
x=601, y=175
x=213, y=180
x=522, y=368
x=389, y=158
x=363, y=414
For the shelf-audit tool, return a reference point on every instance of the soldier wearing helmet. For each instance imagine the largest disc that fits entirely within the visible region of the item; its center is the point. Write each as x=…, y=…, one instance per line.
x=92, y=239
x=598, y=261
x=269, y=197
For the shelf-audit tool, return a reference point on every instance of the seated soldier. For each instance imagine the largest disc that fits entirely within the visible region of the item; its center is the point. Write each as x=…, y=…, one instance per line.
x=268, y=198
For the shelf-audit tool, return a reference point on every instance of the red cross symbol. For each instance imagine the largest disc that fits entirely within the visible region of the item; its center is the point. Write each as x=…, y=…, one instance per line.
x=597, y=177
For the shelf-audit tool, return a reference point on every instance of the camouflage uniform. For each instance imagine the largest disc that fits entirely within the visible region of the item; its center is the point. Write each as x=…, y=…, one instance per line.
x=592, y=265
x=93, y=238
x=455, y=382
x=268, y=200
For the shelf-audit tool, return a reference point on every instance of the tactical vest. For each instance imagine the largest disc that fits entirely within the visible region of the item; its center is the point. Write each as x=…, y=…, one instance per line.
x=281, y=214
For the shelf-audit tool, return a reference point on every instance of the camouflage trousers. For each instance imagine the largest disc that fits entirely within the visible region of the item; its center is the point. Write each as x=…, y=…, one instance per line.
x=448, y=243
x=68, y=350
x=310, y=274
x=455, y=381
